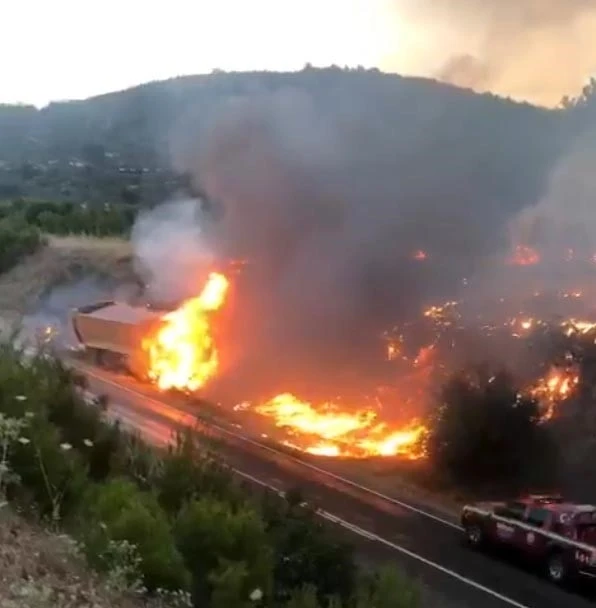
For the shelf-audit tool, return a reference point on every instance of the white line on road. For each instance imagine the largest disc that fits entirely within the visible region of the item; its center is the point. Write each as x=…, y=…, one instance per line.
x=287, y=456
x=374, y=537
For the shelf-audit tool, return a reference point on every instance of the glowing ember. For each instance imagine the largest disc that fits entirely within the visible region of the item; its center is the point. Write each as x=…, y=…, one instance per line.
x=524, y=256
x=573, y=326
x=182, y=353
x=328, y=431
x=420, y=255
x=557, y=386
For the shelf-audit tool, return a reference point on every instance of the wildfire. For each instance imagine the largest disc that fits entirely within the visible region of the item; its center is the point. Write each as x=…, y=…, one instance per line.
x=525, y=256
x=555, y=387
x=420, y=255
x=573, y=326
x=326, y=430
x=182, y=353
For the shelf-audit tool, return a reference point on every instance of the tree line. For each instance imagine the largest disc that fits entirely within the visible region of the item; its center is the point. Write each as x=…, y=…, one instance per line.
x=24, y=224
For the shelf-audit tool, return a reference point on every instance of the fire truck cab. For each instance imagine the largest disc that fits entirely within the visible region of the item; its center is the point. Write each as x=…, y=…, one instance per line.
x=558, y=535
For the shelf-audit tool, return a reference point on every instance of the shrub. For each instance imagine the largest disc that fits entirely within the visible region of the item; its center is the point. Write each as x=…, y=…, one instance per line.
x=306, y=553
x=119, y=511
x=189, y=471
x=16, y=241
x=219, y=544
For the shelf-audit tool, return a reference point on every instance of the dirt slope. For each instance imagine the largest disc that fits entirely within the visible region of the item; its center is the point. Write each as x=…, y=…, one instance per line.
x=64, y=259
x=39, y=569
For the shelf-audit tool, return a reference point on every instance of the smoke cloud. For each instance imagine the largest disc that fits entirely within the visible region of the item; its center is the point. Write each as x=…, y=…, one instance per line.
x=534, y=50
x=329, y=208
x=171, y=256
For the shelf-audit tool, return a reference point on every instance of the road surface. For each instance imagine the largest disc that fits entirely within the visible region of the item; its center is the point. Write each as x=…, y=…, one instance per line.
x=425, y=544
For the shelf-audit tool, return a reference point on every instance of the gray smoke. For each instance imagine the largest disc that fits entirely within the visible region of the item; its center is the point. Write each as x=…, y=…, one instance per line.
x=561, y=228
x=171, y=256
x=535, y=50
x=328, y=205
x=52, y=309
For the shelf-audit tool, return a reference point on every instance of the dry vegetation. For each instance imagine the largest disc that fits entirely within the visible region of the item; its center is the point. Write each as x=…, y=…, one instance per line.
x=62, y=259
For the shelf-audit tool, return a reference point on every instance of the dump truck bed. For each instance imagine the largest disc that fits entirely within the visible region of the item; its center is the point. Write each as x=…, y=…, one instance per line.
x=114, y=326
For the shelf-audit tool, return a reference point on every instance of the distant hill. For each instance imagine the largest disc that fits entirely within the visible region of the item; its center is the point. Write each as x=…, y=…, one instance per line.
x=429, y=134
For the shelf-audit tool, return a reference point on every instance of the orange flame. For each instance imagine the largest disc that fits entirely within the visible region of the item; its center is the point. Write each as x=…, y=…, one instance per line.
x=555, y=387
x=524, y=256
x=420, y=255
x=328, y=431
x=182, y=353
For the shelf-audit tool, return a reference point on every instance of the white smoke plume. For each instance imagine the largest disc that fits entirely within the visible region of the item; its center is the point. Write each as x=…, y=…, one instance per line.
x=171, y=253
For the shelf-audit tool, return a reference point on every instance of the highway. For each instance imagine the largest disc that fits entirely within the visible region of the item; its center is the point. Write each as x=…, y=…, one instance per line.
x=427, y=545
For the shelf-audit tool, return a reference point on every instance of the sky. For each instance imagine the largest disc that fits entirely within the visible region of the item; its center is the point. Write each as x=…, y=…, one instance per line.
x=68, y=49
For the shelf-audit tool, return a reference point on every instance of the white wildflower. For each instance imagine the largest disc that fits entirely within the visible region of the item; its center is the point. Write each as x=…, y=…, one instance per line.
x=65, y=446
x=88, y=443
x=24, y=440
x=256, y=595
x=21, y=398
x=29, y=414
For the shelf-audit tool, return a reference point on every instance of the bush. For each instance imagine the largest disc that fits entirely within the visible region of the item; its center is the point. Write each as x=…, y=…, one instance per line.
x=488, y=434
x=189, y=471
x=16, y=241
x=387, y=589
x=306, y=553
x=119, y=511
x=220, y=544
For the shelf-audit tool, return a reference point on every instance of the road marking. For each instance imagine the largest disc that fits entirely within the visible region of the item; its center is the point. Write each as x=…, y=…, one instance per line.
x=287, y=456
x=375, y=537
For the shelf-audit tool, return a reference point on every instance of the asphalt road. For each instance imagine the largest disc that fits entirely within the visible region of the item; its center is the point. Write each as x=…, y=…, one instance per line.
x=426, y=545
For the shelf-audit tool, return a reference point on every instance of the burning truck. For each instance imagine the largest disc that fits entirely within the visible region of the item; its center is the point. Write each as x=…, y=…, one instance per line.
x=174, y=350
x=110, y=333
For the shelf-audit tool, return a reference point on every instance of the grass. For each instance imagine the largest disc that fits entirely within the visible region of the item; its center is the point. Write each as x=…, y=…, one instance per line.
x=62, y=259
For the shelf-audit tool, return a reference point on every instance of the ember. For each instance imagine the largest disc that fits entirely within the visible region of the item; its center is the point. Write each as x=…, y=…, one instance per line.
x=525, y=256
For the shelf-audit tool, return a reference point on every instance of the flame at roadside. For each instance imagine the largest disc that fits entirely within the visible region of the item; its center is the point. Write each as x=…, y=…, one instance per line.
x=182, y=353
x=326, y=430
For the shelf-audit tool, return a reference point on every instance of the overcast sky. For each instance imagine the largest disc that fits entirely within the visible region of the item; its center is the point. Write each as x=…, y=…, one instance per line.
x=537, y=50
x=57, y=49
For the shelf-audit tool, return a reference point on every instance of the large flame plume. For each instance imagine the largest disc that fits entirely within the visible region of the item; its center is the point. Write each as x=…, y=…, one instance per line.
x=182, y=354
x=328, y=430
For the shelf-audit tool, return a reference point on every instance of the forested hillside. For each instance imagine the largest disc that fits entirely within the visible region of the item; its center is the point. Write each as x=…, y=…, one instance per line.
x=428, y=136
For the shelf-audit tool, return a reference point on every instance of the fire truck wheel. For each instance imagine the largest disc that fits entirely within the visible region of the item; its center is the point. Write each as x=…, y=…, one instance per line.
x=474, y=535
x=556, y=569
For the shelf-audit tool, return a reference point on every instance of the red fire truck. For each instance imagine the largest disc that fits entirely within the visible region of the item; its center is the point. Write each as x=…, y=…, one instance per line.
x=556, y=534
